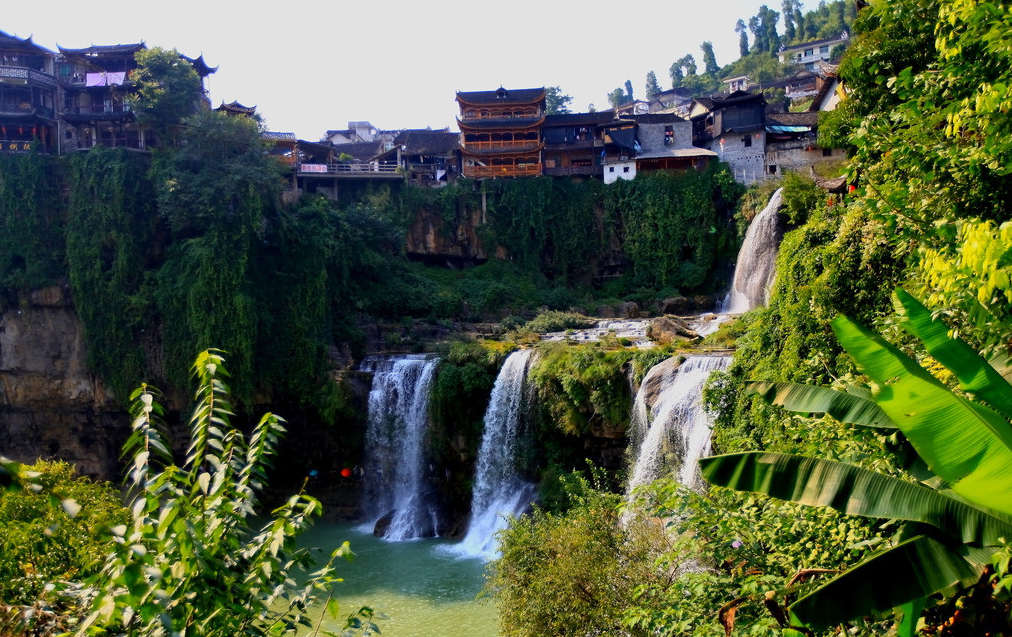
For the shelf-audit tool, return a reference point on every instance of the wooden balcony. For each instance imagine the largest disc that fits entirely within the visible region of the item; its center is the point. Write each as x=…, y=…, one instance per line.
x=506, y=146
x=492, y=172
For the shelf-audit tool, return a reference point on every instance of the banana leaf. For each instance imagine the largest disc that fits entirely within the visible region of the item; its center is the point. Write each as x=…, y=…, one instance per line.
x=850, y=489
x=966, y=444
x=975, y=374
x=911, y=570
x=850, y=408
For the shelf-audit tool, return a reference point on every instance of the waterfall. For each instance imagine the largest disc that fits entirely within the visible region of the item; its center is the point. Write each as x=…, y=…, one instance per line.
x=670, y=427
x=395, y=466
x=499, y=491
x=757, y=259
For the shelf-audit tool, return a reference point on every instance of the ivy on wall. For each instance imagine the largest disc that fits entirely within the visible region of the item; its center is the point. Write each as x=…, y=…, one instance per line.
x=31, y=225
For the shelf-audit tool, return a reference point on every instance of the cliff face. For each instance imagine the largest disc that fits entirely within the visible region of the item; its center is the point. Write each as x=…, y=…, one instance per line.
x=51, y=406
x=455, y=243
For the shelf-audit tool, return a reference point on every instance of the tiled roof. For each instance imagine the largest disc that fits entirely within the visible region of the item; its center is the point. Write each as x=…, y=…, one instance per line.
x=579, y=119
x=493, y=124
x=655, y=118
x=360, y=150
x=279, y=137
x=111, y=49
x=426, y=142
x=502, y=96
x=12, y=43
x=808, y=118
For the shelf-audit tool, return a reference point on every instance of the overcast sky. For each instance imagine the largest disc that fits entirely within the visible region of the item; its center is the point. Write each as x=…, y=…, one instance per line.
x=313, y=65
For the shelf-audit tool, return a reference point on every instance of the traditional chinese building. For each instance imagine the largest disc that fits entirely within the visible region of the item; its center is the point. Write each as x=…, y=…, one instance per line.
x=97, y=87
x=28, y=94
x=574, y=144
x=500, y=132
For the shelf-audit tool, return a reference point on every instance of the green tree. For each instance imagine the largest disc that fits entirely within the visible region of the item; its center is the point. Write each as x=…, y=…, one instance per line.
x=216, y=193
x=556, y=102
x=710, y=66
x=617, y=98
x=652, y=87
x=742, y=32
x=190, y=560
x=628, y=91
x=168, y=90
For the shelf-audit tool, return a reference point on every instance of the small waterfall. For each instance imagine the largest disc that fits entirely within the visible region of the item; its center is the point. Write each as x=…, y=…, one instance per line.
x=499, y=491
x=675, y=430
x=757, y=260
x=395, y=467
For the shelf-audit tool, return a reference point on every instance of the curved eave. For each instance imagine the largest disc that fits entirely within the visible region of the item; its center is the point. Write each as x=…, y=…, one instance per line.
x=501, y=102
x=513, y=123
x=491, y=152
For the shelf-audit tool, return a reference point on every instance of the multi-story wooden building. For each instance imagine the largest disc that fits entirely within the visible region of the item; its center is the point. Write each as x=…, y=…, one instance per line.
x=28, y=94
x=574, y=144
x=97, y=87
x=500, y=132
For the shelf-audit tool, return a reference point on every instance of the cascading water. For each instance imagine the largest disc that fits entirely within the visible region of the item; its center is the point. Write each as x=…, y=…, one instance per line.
x=757, y=259
x=395, y=467
x=499, y=492
x=674, y=430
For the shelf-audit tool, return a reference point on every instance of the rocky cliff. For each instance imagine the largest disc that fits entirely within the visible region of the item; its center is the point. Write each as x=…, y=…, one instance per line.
x=51, y=406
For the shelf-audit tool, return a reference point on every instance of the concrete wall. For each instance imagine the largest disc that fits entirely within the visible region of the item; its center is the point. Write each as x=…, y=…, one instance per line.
x=747, y=163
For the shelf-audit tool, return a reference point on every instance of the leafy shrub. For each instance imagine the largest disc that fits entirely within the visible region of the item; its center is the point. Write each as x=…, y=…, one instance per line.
x=189, y=560
x=555, y=321
x=40, y=543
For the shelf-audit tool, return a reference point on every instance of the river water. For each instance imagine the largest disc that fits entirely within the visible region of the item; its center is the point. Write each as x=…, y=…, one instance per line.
x=421, y=585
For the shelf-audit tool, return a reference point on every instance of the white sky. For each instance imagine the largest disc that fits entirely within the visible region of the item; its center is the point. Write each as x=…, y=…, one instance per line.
x=314, y=65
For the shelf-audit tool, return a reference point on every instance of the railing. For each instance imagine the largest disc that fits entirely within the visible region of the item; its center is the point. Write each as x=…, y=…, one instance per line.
x=22, y=108
x=100, y=109
x=576, y=144
x=385, y=170
x=511, y=146
x=22, y=73
x=491, y=172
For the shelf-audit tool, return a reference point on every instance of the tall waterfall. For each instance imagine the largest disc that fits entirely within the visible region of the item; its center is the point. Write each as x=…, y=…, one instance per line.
x=498, y=489
x=757, y=259
x=670, y=427
x=395, y=466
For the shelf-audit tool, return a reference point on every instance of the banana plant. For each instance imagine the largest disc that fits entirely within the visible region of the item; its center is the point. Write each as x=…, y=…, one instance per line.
x=952, y=523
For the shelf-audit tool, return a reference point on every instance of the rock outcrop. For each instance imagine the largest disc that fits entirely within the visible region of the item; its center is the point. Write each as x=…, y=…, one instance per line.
x=51, y=405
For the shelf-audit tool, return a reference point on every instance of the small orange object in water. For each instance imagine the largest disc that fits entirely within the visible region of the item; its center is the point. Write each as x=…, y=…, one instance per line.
x=346, y=472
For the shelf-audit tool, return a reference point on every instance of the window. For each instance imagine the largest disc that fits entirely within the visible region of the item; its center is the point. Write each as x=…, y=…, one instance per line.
x=611, y=169
x=824, y=48
x=809, y=52
x=746, y=141
x=771, y=169
x=625, y=169
x=669, y=135
x=827, y=152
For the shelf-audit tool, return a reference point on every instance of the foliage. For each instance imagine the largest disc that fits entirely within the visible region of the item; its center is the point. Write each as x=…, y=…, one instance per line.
x=168, y=89
x=555, y=321
x=40, y=543
x=111, y=242
x=973, y=282
x=674, y=227
x=965, y=445
x=556, y=102
x=189, y=560
x=215, y=193
x=566, y=574
x=652, y=87
x=31, y=226
x=728, y=558
x=582, y=386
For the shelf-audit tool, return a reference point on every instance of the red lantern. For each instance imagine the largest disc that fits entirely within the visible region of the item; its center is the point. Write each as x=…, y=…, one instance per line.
x=346, y=472
x=851, y=188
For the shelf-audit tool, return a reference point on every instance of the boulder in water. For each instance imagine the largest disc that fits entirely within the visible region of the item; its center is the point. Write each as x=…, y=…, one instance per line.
x=423, y=527
x=629, y=310
x=665, y=329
